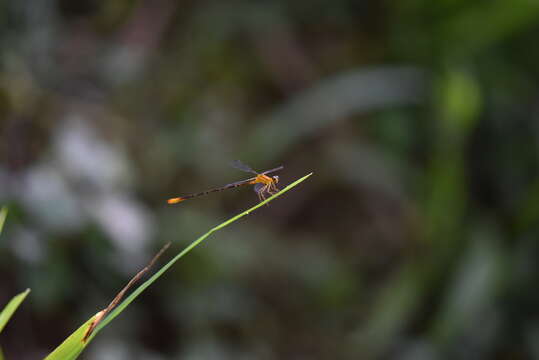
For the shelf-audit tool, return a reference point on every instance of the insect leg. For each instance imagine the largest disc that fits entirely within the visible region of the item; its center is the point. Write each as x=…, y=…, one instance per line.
x=258, y=193
x=261, y=192
x=272, y=189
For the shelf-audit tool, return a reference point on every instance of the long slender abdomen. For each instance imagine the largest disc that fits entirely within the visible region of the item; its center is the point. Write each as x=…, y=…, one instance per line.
x=186, y=197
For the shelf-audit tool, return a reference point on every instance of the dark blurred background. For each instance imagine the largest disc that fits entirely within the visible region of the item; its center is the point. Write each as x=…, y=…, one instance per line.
x=416, y=238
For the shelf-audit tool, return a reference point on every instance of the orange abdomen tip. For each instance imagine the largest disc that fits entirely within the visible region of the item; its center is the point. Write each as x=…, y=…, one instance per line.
x=175, y=200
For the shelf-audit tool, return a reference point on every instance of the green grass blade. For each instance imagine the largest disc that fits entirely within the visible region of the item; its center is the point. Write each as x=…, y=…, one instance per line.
x=10, y=308
x=3, y=215
x=73, y=345
x=148, y=282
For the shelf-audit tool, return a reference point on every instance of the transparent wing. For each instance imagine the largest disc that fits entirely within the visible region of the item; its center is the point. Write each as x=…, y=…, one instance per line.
x=241, y=166
x=257, y=187
x=273, y=170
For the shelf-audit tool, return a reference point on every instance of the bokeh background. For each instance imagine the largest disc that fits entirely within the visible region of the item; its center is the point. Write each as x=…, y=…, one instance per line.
x=416, y=238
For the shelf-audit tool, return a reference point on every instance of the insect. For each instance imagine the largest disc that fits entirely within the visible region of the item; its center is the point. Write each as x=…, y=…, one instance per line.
x=263, y=184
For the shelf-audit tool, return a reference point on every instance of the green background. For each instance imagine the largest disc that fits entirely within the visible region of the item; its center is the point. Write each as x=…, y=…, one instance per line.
x=416, y=237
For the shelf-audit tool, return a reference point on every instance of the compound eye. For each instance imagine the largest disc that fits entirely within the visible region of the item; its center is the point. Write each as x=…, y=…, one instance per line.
x=276, y=178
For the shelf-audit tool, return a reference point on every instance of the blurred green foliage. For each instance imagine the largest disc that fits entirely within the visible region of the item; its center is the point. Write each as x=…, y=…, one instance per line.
x=416, y=239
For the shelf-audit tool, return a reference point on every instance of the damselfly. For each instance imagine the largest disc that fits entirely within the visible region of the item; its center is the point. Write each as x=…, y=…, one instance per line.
x=263, y=184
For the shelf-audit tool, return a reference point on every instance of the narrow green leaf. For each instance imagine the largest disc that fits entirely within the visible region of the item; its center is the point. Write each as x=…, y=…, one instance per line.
x=10, y=308
x=73, y=345
x=3, y=215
